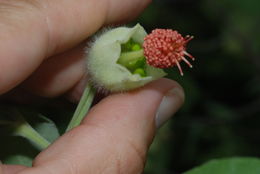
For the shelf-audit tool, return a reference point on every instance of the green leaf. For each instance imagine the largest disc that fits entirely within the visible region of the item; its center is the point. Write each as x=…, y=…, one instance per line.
x=36, y=128
x=17, y=150
x=43, y=125
x=46, y=128
x=229, y=166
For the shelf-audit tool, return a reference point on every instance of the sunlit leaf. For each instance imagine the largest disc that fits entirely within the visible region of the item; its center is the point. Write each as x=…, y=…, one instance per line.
x=229, y=166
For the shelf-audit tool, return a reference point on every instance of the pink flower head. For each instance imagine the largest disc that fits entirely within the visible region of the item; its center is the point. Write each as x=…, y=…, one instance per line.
x=165, y=48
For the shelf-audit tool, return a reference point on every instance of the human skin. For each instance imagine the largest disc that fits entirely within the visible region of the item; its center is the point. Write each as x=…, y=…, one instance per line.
x=41, y=50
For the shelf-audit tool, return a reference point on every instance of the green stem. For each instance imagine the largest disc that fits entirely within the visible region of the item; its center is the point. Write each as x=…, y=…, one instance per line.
x=126, y=57
x=83, y=107
x=25, y=130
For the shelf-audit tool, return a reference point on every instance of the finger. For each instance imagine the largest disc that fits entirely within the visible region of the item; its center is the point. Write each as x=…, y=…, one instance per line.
x=55, y=76
x=75, y=93
x=11, y=169
x=116, y=133
x=58, y=74
x=33, y=30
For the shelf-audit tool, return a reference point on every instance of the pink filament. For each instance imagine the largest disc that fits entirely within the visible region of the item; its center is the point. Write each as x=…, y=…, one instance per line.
x=165, y=48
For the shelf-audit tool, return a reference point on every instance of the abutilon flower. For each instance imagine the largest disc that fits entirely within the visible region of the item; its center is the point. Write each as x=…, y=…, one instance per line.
x=124, y=58
x=165, y=48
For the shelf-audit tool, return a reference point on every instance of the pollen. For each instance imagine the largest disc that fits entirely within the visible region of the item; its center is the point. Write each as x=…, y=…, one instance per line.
x=165, y=48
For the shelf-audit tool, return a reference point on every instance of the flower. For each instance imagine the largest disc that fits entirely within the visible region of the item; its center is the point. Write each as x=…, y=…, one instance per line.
x=165, y=48
x=115, y=61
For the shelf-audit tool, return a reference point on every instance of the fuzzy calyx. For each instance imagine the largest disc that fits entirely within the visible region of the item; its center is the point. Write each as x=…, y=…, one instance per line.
x=116, y=65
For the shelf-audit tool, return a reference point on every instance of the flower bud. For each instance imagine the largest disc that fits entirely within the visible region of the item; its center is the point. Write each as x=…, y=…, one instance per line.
x=115, y=61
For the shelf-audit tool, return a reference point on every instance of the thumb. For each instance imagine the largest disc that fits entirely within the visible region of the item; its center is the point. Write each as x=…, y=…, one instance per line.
x=116, y=134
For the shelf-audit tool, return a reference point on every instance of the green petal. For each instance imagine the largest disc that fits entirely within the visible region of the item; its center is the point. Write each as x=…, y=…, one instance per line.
x=102, y=58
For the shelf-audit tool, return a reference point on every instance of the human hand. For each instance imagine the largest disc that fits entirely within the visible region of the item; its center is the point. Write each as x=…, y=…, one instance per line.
x=46, y=37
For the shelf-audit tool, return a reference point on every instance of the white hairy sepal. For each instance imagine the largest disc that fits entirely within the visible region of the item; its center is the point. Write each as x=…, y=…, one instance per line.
x=105, y=72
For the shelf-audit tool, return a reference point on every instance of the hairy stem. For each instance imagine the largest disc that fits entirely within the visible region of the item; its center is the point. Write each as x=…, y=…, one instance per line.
x=25, y=130
x=83, y=107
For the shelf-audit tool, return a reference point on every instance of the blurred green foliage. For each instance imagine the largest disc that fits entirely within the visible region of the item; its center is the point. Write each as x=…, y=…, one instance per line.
x=229, y=166
x=221, y=114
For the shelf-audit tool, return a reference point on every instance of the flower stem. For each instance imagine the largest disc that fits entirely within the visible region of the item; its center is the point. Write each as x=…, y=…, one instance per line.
x=83, y=107
x=25, y=130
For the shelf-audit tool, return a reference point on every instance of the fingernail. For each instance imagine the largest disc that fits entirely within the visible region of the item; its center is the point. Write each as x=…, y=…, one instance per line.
x=170, y=103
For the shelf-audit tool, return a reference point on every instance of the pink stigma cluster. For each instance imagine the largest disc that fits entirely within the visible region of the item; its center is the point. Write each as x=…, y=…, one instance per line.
x=165, y=48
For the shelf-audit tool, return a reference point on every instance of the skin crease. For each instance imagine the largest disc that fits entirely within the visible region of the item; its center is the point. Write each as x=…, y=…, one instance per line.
x=35, y=35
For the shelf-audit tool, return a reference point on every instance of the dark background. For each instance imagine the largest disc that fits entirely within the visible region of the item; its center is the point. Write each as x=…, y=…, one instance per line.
x=220, y=117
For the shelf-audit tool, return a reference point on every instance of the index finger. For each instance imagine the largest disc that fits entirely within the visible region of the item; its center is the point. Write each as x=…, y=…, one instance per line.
x=32, y=30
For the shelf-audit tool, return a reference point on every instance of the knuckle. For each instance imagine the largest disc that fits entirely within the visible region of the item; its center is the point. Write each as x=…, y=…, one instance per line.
x=20, y=5
x=16, y=13
x=128, y=155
